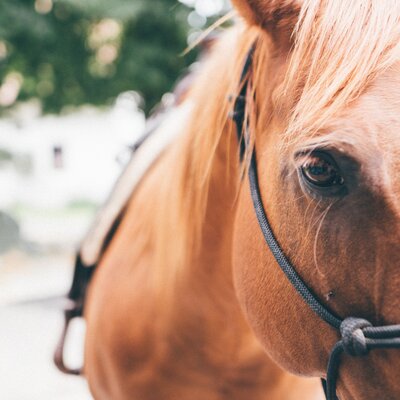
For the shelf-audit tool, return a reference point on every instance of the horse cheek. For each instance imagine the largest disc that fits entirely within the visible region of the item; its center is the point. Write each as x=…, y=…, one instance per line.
x=251, y=278
x=270, y=305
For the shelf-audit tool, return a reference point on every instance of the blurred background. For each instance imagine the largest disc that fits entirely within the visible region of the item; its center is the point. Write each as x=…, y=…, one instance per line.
x=77, y=80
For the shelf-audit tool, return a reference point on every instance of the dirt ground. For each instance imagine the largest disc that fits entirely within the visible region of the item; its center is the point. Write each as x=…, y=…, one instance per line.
x=31, y=289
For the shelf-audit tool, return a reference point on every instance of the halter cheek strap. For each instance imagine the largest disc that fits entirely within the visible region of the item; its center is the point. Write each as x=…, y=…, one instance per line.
x=358, y=336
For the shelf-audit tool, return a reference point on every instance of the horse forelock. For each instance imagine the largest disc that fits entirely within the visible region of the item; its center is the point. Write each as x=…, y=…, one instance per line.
x=339, y=48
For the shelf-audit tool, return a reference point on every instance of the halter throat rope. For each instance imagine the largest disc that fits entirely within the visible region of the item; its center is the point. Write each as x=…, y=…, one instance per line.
x=357, y=335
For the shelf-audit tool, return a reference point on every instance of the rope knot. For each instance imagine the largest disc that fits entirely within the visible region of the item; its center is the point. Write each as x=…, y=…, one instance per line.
x=353, y=338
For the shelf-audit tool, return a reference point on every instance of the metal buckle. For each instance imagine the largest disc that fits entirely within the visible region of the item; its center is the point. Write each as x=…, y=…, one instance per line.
x=71, y=311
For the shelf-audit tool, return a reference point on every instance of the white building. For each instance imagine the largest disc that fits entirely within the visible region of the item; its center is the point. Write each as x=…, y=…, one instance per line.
x=61, y=159
x=58, y=161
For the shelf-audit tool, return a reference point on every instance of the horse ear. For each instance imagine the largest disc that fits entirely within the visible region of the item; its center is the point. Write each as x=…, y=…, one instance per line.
x=279, y=17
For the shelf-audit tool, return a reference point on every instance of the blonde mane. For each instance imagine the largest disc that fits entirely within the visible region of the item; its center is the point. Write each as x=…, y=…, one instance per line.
x=187, y=193
x=339, y=48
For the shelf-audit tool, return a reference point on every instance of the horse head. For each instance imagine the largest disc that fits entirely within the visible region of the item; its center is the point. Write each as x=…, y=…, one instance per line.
x=323, y=113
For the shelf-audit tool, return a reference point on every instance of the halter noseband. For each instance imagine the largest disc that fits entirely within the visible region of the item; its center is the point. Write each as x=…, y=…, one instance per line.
x=358, y=336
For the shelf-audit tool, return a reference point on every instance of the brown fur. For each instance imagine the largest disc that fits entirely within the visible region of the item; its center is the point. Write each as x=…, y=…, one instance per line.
x=278, y=17
x=163, y=317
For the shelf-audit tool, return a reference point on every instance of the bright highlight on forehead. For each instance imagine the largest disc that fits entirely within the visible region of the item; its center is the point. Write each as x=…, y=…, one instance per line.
x=340, y=48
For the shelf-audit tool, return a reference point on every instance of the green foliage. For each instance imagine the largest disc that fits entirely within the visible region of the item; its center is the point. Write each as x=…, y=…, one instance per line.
x=72, y=52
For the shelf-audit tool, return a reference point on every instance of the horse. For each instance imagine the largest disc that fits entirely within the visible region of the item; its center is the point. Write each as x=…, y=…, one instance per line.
x=188, y=301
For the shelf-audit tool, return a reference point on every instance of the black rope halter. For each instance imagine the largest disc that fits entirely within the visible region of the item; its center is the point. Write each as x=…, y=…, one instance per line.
x=358, y=336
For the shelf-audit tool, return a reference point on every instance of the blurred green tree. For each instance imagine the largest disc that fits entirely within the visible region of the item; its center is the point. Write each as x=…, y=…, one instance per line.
x=73, y=52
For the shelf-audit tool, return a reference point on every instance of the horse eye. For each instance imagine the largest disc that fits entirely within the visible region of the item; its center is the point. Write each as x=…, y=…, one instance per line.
x=320, y=170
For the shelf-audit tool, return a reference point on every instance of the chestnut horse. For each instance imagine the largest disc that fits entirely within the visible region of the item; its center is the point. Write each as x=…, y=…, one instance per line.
x=188, y=302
